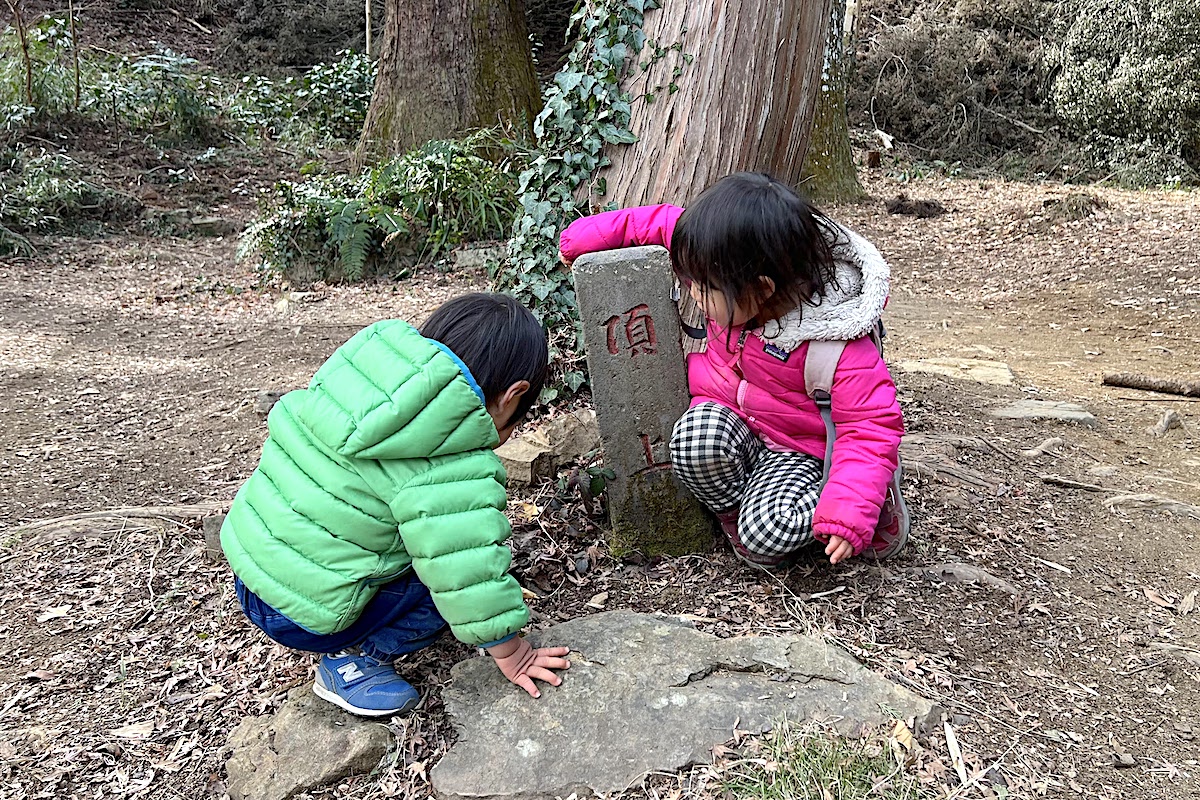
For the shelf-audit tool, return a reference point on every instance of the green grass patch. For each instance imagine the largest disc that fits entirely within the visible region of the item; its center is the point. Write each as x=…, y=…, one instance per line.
x=806, y=761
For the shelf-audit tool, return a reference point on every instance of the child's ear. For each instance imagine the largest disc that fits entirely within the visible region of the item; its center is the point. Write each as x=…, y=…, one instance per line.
x=514, y=393
x=768, y=287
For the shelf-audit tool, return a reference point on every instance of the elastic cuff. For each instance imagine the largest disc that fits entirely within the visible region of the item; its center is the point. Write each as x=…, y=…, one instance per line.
x=498, y=641
x=822, y=531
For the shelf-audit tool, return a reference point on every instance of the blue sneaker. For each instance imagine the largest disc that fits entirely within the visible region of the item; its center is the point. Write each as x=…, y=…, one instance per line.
x=362, y=685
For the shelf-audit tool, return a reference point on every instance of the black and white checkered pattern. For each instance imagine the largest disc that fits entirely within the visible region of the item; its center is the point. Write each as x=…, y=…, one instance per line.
x=720, y=460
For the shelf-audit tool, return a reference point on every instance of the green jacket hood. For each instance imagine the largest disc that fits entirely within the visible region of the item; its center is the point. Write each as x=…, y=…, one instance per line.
x=390, y=393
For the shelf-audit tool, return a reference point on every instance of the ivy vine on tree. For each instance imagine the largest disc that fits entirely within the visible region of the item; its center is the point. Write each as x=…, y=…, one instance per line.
x=584, y=109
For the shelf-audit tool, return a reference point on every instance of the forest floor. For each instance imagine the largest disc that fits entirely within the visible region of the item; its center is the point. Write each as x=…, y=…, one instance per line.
x=129, y=367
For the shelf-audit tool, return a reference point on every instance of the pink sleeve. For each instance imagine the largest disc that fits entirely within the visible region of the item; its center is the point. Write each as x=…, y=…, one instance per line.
x=612, y=230
x=867, y=450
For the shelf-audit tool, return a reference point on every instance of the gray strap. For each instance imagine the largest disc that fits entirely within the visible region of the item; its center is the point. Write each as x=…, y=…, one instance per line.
x=819, y=365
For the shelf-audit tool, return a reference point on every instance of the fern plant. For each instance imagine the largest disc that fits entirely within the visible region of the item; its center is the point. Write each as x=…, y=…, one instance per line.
x=412, y=208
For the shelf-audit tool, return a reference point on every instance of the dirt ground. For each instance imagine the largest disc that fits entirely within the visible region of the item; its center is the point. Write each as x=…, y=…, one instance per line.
x=129, y=368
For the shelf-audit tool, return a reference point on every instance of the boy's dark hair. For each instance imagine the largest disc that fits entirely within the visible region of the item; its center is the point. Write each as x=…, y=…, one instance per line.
x=748, y=225
x=499, y=340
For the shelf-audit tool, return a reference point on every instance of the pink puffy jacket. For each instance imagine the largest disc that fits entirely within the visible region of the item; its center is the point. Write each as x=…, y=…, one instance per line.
x=762, y=379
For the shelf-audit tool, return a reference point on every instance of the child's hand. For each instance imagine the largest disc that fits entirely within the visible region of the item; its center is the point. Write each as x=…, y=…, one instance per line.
x=563, y=258
x=521, y=664
x=838, y=549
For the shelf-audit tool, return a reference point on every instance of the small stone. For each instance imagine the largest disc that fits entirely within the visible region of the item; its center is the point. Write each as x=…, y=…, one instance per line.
x=309, y=743
x=215, y=226
x=995, y=373
x=1047, y=410
x=212, y=537
x=1049, y=447
x=526, y=461
x=1103, y=471
x=646, y=694
x=266, y=400
x=582, y=565
x=1123, y=760
x=572, y=436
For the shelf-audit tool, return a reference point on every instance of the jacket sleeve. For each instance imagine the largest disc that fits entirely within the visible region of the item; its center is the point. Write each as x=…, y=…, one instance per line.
x=612, y=230
x=867, y=450
x=452, y=524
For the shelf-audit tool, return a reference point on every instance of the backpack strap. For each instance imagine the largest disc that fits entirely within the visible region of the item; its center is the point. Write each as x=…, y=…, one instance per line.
x=819, y=365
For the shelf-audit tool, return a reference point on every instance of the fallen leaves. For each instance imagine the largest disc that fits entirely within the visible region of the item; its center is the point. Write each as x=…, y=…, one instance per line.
x=53, y=613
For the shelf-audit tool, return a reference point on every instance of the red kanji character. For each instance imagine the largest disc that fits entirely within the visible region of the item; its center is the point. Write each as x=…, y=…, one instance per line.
x=639, y=337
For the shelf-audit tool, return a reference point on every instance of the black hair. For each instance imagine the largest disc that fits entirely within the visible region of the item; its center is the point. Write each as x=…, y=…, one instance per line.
x=499, y=340
x=749, y=225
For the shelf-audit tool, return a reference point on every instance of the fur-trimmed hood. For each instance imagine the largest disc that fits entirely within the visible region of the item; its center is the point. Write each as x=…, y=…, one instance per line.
x=846, y=312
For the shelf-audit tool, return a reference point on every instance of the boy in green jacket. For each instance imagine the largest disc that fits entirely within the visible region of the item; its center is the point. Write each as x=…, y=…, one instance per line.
x=375, y=518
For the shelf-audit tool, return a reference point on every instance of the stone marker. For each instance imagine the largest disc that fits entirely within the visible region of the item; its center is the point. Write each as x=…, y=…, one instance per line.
x=646, y=693
x=307, y=744
x=1047, y=409
x=631, y=332
x=996, y=373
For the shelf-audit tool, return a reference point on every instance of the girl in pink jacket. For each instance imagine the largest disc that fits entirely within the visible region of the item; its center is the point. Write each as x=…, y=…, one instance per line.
x=771, y=274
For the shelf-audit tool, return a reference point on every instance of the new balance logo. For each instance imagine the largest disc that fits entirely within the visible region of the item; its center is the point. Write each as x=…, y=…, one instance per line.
x=350, y=672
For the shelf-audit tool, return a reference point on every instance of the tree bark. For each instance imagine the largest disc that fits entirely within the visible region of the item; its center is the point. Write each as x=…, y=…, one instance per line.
x=445, y=67
x=747, y=102
x=829, y=173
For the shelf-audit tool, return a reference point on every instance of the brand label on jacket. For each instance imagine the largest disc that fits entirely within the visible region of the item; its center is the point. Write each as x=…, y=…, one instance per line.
x=776, y=352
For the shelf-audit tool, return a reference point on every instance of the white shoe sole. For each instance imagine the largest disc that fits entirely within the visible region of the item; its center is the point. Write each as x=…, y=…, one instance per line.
x=330, y=696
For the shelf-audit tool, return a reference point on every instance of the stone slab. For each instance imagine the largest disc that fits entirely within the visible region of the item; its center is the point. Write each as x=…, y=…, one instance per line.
x=639, y=386
x=1052, y=410
x=646, y=693
x=995, y=373
x=308, y=743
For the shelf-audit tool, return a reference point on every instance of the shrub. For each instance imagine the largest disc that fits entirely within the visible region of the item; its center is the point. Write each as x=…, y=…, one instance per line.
x=413, y=207
x=1128, y=83
x=959, y=81
x=47, y=192
x=327, y=102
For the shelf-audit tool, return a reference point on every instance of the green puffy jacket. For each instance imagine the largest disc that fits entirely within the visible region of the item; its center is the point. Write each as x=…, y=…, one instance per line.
x=383, y=462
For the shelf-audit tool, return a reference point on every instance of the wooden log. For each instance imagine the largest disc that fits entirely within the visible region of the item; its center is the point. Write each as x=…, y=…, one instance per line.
x=1149, y=383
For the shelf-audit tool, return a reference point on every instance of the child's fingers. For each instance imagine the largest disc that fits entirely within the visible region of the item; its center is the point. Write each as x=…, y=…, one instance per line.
x=552, y=651
x=551, y=663
x=526, y=683
x=541, y=674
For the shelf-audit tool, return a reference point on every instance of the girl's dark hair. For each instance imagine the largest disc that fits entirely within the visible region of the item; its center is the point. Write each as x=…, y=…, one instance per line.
x=749, y=225
x=499, y=340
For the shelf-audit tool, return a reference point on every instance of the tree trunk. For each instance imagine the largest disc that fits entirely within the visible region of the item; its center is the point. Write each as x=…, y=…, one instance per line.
x=746, y=102
x=829, y=174
x=445, y=67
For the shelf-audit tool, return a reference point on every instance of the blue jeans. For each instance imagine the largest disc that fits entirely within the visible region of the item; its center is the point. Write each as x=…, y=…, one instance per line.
x=399, y=619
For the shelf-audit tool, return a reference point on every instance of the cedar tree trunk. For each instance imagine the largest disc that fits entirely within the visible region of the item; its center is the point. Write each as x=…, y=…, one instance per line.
x=829, y=173
x=445, y=67
x=746, y=102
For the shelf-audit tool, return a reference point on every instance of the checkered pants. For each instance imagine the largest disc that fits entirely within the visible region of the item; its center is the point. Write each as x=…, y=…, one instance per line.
x=724, y=464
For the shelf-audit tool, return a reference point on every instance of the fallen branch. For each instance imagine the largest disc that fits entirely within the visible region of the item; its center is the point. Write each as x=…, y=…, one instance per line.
x=90, y=521
x=1153, y=502
x=1149, y=383
x=1067, y=483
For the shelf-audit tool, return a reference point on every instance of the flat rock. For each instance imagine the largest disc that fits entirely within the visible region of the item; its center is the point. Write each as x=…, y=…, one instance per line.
x=996, y=373
x=306, y=744
x=1048, y=410
x=645, y=694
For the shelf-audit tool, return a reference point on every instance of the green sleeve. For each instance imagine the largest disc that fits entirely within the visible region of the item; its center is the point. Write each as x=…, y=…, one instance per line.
x=452, y=523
